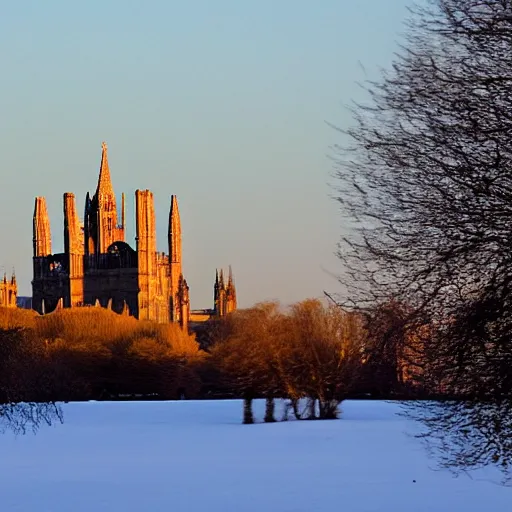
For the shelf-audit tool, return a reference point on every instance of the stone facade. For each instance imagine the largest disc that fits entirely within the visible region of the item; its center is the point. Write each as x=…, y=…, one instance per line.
x=8, y=292
x=98, y=267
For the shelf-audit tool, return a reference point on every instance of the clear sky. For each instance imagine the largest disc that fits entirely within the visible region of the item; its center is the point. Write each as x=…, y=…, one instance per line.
x=221, y=102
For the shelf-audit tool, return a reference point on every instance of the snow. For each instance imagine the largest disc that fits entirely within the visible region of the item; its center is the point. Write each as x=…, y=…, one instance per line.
x=196, y=456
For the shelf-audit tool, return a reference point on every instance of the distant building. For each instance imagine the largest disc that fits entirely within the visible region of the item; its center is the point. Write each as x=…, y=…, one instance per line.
x=8, y=291
x=98, y=267
x=224, y=299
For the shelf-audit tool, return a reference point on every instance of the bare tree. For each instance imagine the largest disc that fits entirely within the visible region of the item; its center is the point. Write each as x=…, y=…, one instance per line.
x=325, y=358
x=247, y=355
x=22, y=416
x=394, y=351
x=425, y=183
x=311, y=351
x=24, y=385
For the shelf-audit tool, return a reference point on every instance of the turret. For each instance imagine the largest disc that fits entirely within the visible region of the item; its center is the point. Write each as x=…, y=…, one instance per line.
x=74, y=253
x=146, y=249
x=73, y=236
x=42, y=240
x=231, y=304
x=175, y=269
x=184, y=303
x=216, y=289
x=42, y=248
x=89, y=247
x=220, y=307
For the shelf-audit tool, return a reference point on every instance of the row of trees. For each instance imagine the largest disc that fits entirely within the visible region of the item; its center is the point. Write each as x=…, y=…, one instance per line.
x=93, y=353
x=312, y=352
x=308, y=352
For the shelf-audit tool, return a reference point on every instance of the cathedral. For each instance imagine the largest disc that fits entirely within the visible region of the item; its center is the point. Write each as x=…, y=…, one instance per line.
x=99, y=268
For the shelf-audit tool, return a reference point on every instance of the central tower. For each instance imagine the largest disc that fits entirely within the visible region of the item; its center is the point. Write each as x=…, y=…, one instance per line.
x=100, y=220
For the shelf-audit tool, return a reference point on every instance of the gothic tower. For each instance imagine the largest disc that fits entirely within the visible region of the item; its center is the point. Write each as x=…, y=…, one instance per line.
x=175, y=269
x=12, y=295
x=230, y=293
x=42, y=248
x=221, y=299
x=216, y=290
x=100, y=222
x=146, y=250
x=74, y=253
x=42, y=240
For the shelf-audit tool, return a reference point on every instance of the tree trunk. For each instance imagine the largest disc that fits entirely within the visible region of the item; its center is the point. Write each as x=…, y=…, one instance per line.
x=333, y=411
x=329, y=409
x=286, y=410
x=310, y=408
x=248, y=416
x=296, y=412
x=269, y=410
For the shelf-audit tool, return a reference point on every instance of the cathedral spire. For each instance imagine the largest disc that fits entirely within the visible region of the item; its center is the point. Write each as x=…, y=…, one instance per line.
x=104, y=187
x=103, y=218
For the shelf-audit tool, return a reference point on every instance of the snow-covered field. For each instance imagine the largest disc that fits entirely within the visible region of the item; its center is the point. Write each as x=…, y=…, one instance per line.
x=196, y=456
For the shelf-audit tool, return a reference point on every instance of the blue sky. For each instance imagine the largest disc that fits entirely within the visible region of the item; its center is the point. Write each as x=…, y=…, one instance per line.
x=221, y=102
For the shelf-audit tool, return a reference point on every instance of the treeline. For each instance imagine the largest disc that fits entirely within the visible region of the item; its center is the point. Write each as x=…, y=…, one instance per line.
x=320, y=355
x=93, y=353
x=309, y=351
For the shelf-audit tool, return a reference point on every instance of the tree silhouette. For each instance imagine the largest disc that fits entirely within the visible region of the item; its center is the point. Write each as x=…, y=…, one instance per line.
x=425, y=183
